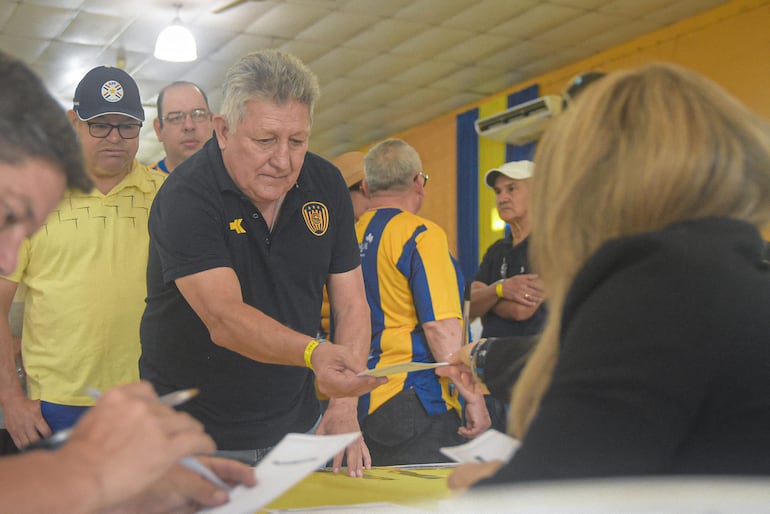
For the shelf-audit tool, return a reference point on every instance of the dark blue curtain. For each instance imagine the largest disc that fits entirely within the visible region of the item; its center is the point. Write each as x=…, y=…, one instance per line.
x=467, y=193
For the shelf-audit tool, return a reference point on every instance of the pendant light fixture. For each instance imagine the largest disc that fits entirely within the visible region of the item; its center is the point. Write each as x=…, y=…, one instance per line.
x=176, y=43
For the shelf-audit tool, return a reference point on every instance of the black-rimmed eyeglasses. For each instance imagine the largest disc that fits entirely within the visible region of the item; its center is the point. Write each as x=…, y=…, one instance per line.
x=126, y=130
x=424, y=178
x=197, y=115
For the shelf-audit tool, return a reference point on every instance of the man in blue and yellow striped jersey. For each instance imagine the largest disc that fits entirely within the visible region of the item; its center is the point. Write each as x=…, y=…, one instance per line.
x=413, y=286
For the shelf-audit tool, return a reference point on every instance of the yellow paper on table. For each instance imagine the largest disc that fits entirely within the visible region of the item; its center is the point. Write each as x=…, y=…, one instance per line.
x=410, y=486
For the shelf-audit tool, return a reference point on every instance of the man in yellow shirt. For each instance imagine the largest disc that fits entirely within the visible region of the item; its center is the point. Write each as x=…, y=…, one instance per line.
x=84, y=270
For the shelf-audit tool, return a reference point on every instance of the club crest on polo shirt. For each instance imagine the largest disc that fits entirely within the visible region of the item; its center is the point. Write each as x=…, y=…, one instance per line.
x=316, y=217
x=112, y=91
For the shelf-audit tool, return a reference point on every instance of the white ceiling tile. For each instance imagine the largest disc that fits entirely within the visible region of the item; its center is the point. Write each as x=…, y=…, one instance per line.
x=140, y=37
x=485, y=14
x=425, y=73
x=517, y=55
x=676, y=11
x=339, y=61
x=465, y=79
x=633, y=8
x=61, y=4
x=554, y=61
x=6, y=9
x=583, y=4
x=500, y=82
x=384, y=66
x=432, y=41
x=339, y=88
x=432, y=11
x=385, y=35
x=475, y=48
x=380, y=94
x=375, y=7
x=286, y=20
x=93, y=29
x=132, y=9
x=619, y=34
x=28, y=49
x=308, y=51
x=533, y=22
x=163, y=71
x=576, y=30
x=337, y=27
x=38, y=21
x=240, y=45
x=231, y=20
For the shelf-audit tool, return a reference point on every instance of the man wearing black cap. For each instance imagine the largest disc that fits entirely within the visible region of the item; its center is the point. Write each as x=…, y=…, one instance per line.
x=85, y=270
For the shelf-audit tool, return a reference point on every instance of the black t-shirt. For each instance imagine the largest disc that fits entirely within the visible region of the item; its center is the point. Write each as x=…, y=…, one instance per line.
x=200, y=220
x=503, y=260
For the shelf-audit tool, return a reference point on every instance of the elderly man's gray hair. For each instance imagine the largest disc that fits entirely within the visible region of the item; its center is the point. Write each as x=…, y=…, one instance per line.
x=267, y=75
x=391, y=165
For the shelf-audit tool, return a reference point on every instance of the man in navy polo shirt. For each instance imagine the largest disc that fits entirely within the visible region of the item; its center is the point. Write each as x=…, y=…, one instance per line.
x=242, y=240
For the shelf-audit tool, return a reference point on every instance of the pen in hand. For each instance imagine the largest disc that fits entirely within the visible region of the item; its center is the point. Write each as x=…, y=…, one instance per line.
x=173, y=399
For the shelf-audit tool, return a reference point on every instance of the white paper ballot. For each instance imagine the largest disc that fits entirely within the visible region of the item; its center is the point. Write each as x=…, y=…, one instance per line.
x=403, y=367
x=491, y=445
x=296, y=456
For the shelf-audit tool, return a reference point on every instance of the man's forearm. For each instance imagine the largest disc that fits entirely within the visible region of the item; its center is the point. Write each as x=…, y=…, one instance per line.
x=444, y=337
x=483, y=297
x=10, y=385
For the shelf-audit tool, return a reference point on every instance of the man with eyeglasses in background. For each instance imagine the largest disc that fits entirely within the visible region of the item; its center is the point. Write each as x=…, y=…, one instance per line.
x=85, y=269
x=414, y=288
x=183, y=123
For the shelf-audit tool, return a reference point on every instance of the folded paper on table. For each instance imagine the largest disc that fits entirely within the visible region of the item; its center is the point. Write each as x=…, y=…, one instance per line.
x=403, y=367
x=491, y=445
x=296, y=456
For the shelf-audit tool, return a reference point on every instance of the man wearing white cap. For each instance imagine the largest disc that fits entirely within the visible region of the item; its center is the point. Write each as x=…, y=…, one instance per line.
x=504, y=292
x=85, y=270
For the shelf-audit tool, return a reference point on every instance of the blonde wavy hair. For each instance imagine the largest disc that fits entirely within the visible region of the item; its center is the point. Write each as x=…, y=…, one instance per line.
x=639, y=150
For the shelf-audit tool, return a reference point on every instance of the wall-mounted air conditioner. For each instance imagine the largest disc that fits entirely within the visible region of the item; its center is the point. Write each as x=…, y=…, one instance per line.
x=521, y=123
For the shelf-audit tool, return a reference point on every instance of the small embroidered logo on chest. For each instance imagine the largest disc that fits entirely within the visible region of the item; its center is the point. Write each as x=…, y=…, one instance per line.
x=236, y=226
x=316, y=217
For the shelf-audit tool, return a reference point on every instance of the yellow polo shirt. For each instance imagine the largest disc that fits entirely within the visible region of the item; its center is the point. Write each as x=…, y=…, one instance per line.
x=85, y=272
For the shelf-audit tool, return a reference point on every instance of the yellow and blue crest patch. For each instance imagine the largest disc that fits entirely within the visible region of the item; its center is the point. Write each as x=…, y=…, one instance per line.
x=316, y=217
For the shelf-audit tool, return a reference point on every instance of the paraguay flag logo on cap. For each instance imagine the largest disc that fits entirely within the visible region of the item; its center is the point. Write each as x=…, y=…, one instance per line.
x=112, y=91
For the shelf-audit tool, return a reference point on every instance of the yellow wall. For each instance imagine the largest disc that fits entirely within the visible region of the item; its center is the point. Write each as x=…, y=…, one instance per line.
x=730, y=44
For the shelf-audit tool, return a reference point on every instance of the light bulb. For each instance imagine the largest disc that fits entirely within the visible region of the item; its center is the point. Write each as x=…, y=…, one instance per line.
x=176, y=43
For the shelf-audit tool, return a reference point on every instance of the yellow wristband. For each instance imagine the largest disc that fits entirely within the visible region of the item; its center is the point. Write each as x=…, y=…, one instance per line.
x=499, y=289
x=309, y=349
